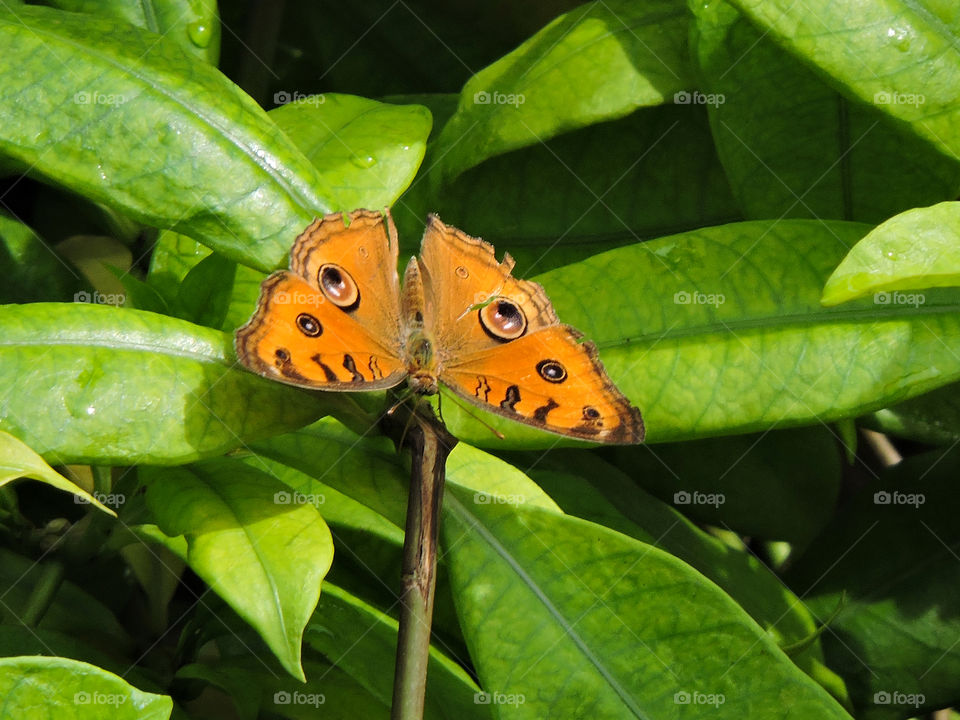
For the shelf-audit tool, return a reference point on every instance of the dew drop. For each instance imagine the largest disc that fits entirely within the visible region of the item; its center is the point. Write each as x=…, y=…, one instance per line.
x=364, y=161
x=199, y=33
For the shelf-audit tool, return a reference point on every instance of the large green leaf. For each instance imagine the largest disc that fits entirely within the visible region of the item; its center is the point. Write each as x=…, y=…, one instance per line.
x=652, y=173
x=919, y=248
x=893, y=54
x=597, y=62
x=370, y=150
x=41, y=687
x=139, y=126
x=589, y=488
x=792, y=146
x=91, y=383
x=264, y=555
x=565, y=618
x=889, y=563
x=721, y=331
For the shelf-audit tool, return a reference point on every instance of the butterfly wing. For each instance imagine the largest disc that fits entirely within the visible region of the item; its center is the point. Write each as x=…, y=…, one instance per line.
x=333, y=321
x=501, y=347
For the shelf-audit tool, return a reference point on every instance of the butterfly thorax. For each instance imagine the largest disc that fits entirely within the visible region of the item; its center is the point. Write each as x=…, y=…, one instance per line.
x=418, y=345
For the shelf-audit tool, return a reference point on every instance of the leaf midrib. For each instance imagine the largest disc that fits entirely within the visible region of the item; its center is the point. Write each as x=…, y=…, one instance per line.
x=774, y=323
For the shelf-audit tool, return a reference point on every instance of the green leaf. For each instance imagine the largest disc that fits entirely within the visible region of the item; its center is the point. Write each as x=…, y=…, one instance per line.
x=721, y=331
x=589, y=488
x=916, y=249
x=167, y=140
x=204, y=295
x=33, y=270
x=96, y=384
x=792, y=145
x=652, y=173
x=892, y=54
x=933, y=417
x=370, y=150
x=565, y=618
x=56, y=687
x=889, y=562
x=194, y=25
x=598, y=62
x=264, y=557
x=362, y=641
x=17, y=460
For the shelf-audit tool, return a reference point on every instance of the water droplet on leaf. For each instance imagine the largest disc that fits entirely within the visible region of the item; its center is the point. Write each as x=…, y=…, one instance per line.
x=364, y=161
x=199, y=33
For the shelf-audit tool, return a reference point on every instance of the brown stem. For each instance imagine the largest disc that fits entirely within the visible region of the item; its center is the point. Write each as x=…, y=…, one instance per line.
x=430, y=445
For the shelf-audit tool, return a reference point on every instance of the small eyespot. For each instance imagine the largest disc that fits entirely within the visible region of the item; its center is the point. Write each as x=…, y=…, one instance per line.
x=308, y=325
x=590, y=413
x=338, y=286
x=503, y=319
x=362, y=252
x=552, y=371
x=462, y=272
x=282, y=354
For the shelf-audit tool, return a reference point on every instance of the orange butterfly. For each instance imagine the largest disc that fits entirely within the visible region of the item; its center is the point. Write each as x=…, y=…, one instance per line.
x=338, y=320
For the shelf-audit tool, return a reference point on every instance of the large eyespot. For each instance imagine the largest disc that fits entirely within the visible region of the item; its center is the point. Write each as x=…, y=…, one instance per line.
x=338, y=286
x=552, y=371
x=503, y=319
x=309, y=325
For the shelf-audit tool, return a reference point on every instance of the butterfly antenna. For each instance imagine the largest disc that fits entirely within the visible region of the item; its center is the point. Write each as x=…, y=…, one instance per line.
x=469, y=412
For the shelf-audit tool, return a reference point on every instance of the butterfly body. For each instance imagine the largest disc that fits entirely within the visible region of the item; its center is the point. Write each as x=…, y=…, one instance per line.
x=339, y=320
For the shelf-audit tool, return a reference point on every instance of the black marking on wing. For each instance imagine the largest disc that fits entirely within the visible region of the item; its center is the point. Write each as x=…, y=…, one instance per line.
x=511, y=398
x=540, y=414
x=351, y=367
x=484, y=387
x=331, y=376
x=374, y=366
x=285, y=367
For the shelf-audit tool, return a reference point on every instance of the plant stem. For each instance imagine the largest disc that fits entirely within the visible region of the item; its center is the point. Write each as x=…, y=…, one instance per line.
x=430, y=445
x=45, y=590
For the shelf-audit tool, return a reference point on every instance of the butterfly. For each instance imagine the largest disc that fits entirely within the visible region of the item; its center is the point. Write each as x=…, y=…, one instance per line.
x=340, y=320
